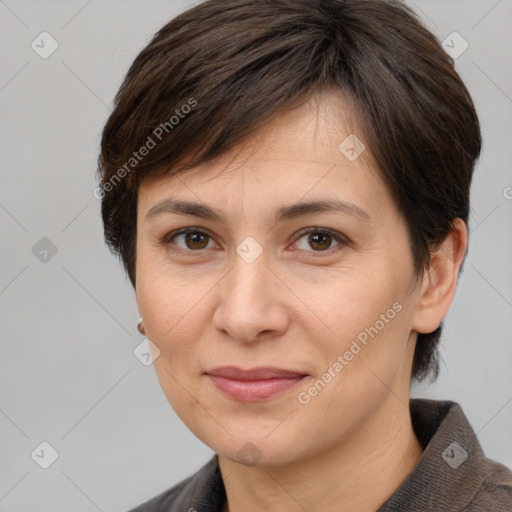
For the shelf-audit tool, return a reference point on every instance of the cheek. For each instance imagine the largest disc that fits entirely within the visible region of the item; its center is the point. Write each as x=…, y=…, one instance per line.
x=176, y=305
x=347, y=303
x=159, y=298
x=167, y=308
x=360, y=364
x=363, y=327
x=170, y=310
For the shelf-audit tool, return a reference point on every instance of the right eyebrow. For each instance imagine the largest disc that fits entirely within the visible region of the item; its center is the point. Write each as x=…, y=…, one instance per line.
x=173, y=206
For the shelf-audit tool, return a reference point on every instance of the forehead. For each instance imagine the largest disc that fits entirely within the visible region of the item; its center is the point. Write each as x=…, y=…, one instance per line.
x=313, y=149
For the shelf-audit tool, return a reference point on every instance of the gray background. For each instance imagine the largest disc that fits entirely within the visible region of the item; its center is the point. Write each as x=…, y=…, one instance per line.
x=68, y=374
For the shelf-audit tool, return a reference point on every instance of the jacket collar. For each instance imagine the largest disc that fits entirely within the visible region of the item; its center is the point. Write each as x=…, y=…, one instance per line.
x=452, y=467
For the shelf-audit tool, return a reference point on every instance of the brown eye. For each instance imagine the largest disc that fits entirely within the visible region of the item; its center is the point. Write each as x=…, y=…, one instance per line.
x=320, y=240
x=196, y=240
x=188, y=239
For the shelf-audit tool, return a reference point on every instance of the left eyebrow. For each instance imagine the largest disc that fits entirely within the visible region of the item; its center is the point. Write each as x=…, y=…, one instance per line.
x=329, y=205
x=173, y=206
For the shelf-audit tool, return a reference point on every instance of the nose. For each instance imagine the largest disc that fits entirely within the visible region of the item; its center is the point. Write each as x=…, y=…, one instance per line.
x=251, y=303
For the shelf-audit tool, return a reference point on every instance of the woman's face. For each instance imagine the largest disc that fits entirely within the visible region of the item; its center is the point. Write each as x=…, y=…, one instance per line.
x=327, y=294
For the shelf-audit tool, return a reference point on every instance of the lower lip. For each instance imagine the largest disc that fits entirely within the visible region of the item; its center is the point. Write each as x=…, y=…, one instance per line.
x=254, y=390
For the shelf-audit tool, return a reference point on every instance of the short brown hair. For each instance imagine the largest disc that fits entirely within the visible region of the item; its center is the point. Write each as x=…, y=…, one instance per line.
x=236, y=64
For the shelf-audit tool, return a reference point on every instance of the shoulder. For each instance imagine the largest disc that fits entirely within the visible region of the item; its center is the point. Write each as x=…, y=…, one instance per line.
x=495, y=491
x=453, y=472
x=204, y=490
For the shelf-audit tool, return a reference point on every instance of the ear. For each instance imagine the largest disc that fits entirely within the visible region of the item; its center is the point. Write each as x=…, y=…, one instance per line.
x=439, y=283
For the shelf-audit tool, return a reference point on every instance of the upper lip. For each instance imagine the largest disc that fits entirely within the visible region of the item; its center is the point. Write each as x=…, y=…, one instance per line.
x=257, y=373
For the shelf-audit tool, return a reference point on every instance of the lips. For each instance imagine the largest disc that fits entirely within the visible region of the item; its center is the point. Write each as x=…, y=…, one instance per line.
x=254, y=384
x=260, y=373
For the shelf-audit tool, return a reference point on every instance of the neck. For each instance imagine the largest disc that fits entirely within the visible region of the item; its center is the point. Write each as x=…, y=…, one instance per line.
x=360, y=473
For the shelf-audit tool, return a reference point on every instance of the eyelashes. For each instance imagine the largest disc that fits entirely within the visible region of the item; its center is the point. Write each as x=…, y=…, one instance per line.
x=202, y=239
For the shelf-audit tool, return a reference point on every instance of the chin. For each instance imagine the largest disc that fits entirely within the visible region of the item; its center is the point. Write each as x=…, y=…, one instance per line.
x=259, y=451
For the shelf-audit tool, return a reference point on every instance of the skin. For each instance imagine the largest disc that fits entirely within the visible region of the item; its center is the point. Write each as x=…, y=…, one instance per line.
x=298, y=306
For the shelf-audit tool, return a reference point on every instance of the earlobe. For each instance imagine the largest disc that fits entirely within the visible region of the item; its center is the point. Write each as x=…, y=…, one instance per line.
x=439, y=282
x=140, y=327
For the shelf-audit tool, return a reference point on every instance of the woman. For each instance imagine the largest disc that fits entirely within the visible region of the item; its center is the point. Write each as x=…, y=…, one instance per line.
x=287, y=184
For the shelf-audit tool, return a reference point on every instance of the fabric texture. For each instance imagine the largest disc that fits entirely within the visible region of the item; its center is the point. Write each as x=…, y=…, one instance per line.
x=452, y=475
